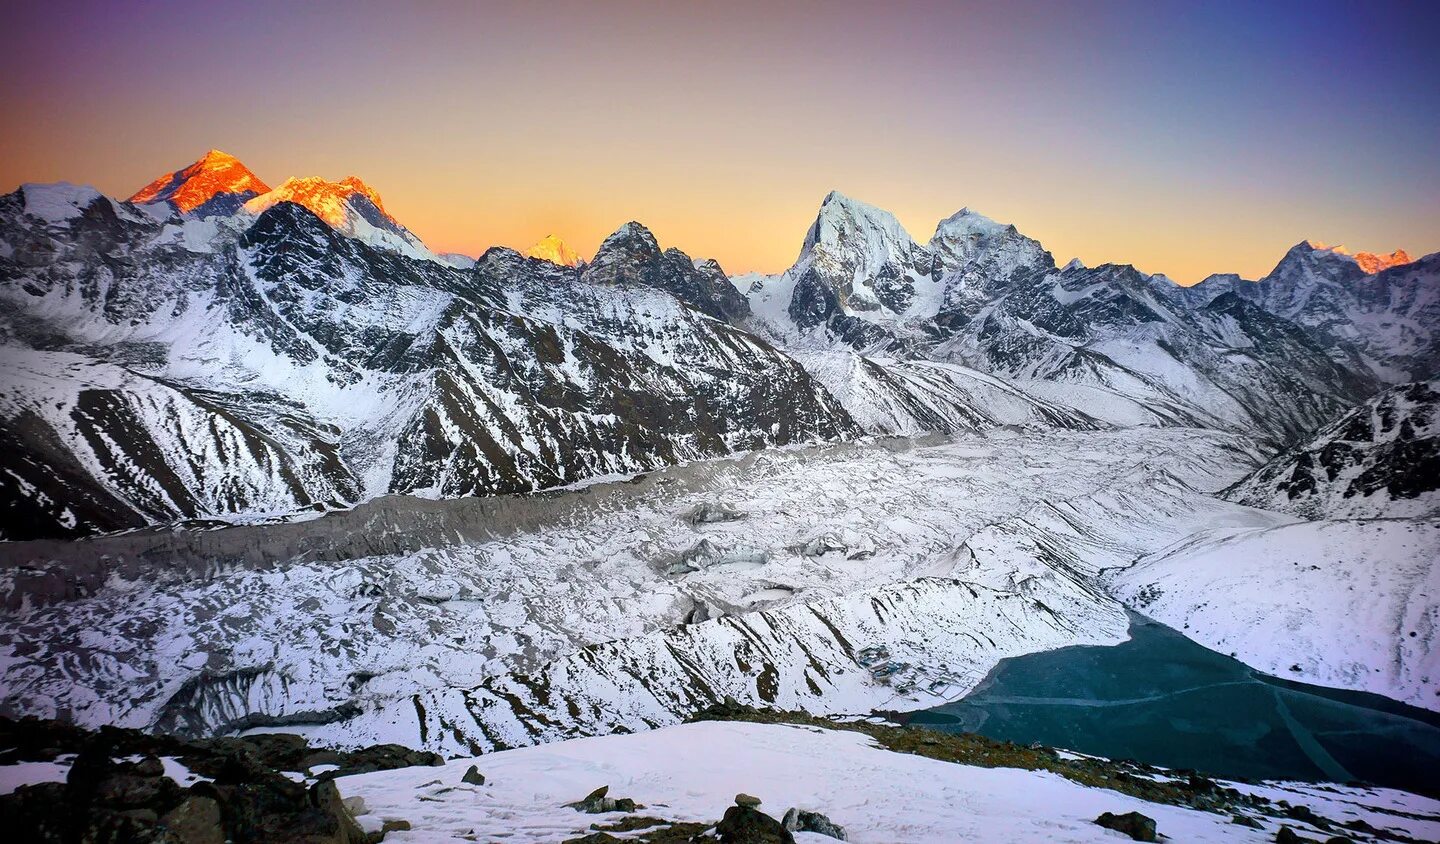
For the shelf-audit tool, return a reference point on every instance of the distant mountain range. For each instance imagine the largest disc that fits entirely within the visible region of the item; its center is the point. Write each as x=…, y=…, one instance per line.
x=215, y=349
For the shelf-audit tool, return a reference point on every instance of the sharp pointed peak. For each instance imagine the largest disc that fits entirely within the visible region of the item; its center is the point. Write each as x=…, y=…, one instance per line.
x=215, y=182
x=836, y=199
x=217, y=155
x=555, y=250
x=632, y=231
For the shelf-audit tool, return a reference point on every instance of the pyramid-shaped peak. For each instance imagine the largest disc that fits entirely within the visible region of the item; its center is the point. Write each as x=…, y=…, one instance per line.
x=848, y=223
x=633, y=234
x=551, y=248
x=216, y=183
x=217, y=157
x=330, y=201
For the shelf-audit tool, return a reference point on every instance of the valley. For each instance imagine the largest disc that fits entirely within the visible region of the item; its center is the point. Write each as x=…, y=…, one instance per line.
x=277, y=469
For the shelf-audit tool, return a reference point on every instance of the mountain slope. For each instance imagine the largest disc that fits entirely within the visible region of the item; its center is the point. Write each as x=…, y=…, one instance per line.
x=880, y=793
x=1386, y=306
x=1380, y=460
x=1108, y=343
x=1348, y=604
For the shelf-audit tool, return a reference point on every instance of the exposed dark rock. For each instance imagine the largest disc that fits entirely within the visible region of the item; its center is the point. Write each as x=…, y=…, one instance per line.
x=1363, y=464
x=1133, y=824
x=1305, y=815
x=598, y=802
x=797, y=820
x=474, y=777
x=748, y=825
x=248, y=801
x=708, y=512
x=645, y=370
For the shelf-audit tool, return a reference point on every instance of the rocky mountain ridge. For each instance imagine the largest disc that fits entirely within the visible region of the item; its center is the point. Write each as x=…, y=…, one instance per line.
x=271, y=363
x=1279, y=357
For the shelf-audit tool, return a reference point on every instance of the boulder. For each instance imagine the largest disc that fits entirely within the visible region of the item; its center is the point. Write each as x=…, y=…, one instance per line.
x=1133, y=824
x=709, y=512
x=798, y=820
x=474, y=777
x=599, y=801
x=743, y=799
x=748, y=825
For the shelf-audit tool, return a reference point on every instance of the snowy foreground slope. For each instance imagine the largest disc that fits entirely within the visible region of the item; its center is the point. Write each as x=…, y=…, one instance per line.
x=1348, y=604
x=692, y=772
x=847, y=578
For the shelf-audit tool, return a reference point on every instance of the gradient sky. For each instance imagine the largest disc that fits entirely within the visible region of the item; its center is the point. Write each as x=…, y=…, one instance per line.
x=1185, y=138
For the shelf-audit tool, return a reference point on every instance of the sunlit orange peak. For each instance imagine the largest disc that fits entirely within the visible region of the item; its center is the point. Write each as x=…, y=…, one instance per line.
x=215, y=174
x=1370, y=262
x=554, y=250
x=330, y=201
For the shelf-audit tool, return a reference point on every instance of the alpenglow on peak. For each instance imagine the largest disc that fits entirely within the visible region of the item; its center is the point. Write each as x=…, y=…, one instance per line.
x=217, y=183
x=551, y=248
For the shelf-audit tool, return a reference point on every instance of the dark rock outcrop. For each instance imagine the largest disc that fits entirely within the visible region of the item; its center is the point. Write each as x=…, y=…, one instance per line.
x=1133, y=824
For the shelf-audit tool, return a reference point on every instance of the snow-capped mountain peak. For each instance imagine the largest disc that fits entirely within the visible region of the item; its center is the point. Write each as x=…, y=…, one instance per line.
x=968, y=222
x=848, y=224
x=333, y=202
x=57, y=201
x=1369, y=262
x=551, y=248
x=217, y=183
x=967, y=237
x=350, y=206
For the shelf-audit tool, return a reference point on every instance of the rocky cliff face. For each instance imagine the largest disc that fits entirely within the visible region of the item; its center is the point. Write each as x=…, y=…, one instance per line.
x=1381, y=459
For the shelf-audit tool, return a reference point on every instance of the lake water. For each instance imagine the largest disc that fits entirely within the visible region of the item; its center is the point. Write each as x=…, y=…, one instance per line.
x=1162, y=699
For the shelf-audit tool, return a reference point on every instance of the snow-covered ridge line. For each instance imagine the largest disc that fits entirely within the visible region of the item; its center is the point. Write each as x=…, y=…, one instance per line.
x=1280, y=356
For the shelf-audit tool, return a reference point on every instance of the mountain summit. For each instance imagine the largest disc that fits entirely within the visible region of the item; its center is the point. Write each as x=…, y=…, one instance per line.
x=1370, y=262
x=333, y=202
x=551, y=248
x=216, y=184
x=350, y=206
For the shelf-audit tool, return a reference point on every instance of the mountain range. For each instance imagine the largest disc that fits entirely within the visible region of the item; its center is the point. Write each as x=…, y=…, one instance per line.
x=215, y=350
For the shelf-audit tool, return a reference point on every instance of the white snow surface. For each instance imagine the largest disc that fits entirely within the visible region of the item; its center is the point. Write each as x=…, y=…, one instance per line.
x=633, y=617
x=692, y=772
x=1347, y=604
